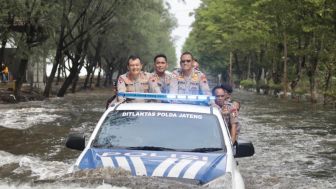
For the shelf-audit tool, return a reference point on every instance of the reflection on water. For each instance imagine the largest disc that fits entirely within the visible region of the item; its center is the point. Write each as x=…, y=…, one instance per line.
x=295, y=144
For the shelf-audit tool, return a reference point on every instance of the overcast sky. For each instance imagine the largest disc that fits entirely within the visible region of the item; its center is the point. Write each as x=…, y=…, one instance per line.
x=181, y=11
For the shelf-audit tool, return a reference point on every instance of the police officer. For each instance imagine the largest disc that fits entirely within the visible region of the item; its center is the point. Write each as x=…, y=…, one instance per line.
x=228, y=109
x=136, y=80
x=187, y=80
x=195, y=64
x=161, y=76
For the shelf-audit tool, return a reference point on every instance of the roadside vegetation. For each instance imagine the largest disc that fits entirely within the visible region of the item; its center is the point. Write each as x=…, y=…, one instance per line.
x=282, y=47
x=91, y=34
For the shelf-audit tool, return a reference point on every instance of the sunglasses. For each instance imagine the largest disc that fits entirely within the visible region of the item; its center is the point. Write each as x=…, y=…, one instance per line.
x=183, y=61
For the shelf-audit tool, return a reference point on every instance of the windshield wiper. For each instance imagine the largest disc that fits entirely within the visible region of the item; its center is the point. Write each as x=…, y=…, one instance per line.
x=205, y=149
x=152, y=148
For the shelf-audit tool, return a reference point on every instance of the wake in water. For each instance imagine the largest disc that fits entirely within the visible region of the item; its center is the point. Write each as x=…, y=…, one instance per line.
x=116, y=178
x=28, y=168
x=27, y=117
x=36, y=173
x=53, y=186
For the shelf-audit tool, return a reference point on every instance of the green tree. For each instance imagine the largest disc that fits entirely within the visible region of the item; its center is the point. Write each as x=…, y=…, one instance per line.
x=285, y=38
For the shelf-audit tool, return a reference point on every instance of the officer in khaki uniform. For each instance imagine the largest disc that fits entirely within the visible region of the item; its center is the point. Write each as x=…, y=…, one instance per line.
x=161, y=76
x=141, y=84
x=228, y=109
x=187, y=80
x=136, y=80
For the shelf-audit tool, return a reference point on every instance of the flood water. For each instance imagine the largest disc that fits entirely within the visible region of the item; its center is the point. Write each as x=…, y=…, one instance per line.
x=295, y=144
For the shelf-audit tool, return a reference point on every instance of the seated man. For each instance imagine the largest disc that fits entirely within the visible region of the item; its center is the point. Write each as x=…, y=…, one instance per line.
x=136, y=80
x=228, y=109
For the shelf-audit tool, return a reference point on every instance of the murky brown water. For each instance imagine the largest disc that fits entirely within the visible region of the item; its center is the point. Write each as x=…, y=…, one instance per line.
x=295, y=143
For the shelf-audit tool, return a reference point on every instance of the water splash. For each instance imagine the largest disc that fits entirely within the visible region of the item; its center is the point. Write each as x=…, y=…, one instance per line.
x=27, y=117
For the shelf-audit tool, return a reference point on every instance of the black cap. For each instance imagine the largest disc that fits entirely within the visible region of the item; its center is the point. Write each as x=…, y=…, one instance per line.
x=227, y=87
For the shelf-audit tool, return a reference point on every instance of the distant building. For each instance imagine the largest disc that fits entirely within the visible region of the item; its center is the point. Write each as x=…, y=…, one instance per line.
x=35, y=74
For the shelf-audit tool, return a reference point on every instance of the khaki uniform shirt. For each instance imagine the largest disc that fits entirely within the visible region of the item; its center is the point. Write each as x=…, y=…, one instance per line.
x=141, y=85
x=163, y=82
x=195, y=84
x=230, y=115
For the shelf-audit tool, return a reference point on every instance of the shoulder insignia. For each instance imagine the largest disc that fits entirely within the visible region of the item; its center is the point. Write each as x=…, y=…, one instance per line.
x=175, y=72
x=125, y=79
x=120, y=80
x=144, y=75
x=203, y=78
x=153, y=77
x=195, y=77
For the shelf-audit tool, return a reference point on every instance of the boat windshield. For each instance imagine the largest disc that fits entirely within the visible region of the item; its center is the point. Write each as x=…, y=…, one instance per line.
x=156, y=130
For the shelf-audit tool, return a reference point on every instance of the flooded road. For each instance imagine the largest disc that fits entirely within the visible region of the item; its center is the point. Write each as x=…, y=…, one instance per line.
x=295, y=143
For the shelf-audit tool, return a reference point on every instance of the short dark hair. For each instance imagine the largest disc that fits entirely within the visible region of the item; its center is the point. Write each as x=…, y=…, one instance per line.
x=186, y=53
x=215, y=88
x=133, y=57
x=160, y=55
x=195, y=59
x=225, y=87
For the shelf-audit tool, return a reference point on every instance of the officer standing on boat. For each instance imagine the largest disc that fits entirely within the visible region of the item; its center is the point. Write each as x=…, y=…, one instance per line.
x=187, y=80
x=161, y=76
x=135, y=80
